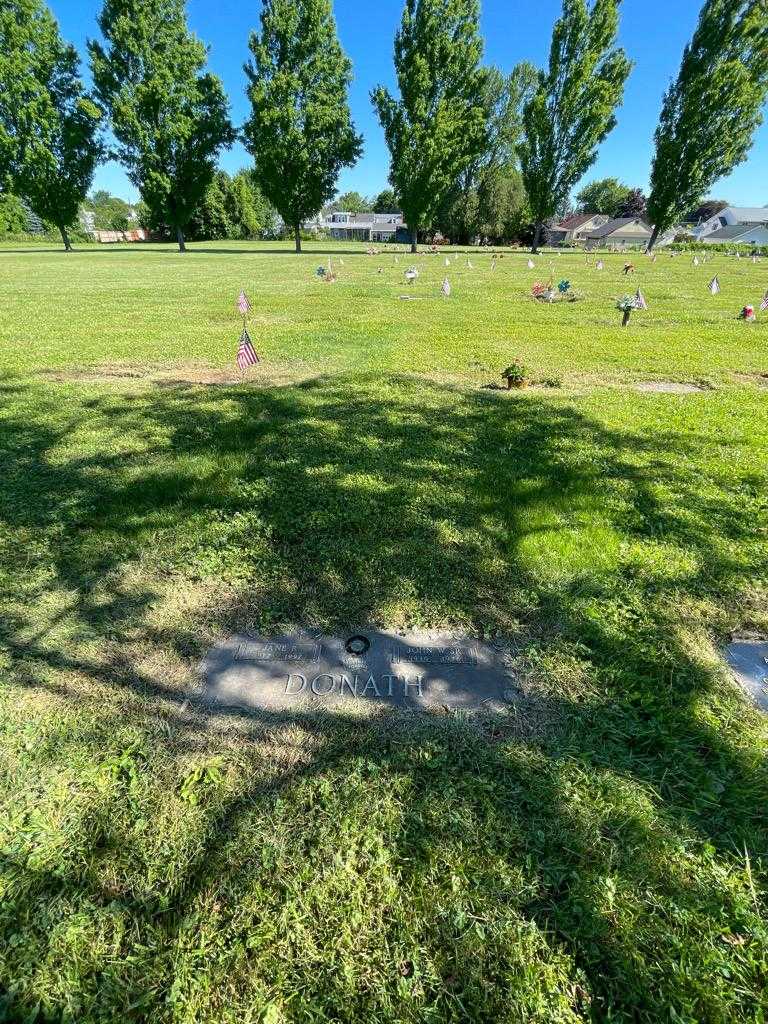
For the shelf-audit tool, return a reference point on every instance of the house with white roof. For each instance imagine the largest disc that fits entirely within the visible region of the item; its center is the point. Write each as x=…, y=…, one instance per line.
x=362, y=227
x=738, y=224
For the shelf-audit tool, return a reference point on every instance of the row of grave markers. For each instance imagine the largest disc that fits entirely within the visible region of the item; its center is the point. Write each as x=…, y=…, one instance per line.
x=247, y=355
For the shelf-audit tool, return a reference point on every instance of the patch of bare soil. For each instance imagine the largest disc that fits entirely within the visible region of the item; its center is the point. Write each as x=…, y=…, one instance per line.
x=761, y=379
x=180, y=375
x=669, y=387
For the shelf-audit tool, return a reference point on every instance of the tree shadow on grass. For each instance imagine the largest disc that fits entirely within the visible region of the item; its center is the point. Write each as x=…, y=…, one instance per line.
x=538, y=863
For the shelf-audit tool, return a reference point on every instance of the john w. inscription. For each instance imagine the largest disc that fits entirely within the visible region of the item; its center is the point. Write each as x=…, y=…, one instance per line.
x=418, y=670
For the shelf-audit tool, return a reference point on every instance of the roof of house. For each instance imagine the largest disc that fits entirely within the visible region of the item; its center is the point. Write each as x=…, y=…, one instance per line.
x=576, y=221
x=615, y=225
x=749, y=214
x=729, y=233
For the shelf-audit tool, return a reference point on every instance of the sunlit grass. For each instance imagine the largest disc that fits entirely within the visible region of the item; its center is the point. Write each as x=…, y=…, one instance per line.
x=598, y=854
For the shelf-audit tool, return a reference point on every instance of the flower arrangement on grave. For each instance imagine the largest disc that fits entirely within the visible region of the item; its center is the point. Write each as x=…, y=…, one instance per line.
x=747, y=314
x=515, y=375
x=626, y=304
x=563, y=287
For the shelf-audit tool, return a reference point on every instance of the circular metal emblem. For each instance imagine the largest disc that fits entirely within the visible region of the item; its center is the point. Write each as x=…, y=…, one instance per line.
x=357, y=644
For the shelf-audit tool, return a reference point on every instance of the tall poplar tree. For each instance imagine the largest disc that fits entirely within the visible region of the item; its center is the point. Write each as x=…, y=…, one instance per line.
x=710, y=113
x=300, y=131
x=49, y=125
x=573, y=108
x=438, y=126
x=169, y=116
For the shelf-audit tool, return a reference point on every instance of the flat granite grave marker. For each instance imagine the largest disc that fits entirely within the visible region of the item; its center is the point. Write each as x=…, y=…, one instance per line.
x=417, y=670
x=748, y=660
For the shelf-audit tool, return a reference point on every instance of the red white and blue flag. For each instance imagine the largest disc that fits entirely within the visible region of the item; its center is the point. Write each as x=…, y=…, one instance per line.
x=640, y=302
x=764, y=303
x=714, y=286
x=243, y=304
x=246, y=353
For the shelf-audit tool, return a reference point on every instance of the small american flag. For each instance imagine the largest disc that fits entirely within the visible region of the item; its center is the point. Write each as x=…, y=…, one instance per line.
x=530, y=264
x=599, y=265
x=446, y=289
x=243, y=305
x=246, y=354
x=714, y=286
x=640, y=302
x=764, y=303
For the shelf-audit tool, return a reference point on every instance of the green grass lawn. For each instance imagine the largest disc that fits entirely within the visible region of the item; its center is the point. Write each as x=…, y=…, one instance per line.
x=598, y=854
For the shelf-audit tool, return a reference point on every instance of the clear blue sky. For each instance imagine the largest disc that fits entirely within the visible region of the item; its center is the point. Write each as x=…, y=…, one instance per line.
x=653, y=32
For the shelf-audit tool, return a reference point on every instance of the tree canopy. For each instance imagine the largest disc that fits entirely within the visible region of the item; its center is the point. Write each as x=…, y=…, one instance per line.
x=169, y=116
x=710, y=112
x=573, y=108
x=438, y=125
x=300, y=130
x=604, y=195
x=49, y=125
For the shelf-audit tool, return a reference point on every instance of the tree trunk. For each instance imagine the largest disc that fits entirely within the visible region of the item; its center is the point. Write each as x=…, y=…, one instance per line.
x=537, y=236
x=65, y=238
x=414, y=240
x=180, y=240
x=652, y=239
x=297, y=236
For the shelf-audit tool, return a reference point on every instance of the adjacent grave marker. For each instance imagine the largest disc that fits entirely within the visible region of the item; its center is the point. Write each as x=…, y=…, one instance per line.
x=415, y=670
x=748, y=660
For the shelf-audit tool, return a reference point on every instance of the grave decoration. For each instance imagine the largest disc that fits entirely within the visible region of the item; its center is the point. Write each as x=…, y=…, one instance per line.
x=411, y=274
x=764, y=303
x=599, y=265
x=626, y=304
x=246, y=354
x=515, y=375
x=714, y=286
x=531, y=264
x=640, y=302
x=563, y=287
x=629, y=268
x=446, y=288
x=747, y=314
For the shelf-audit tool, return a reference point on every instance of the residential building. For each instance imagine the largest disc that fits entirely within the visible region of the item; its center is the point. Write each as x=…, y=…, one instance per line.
x=361, y=227
x=738, y=234
x=731, y=216
x=619, y=233
x=574, y=230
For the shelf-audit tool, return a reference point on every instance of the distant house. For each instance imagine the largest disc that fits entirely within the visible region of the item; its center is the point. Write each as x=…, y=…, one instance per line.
x=738, y=234
x=730, y=217
x=619, y=233
x=574, y=230
x=361, y=227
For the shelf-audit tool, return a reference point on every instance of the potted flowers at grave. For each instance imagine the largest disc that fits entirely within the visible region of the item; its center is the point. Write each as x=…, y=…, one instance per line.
x=515, y=375
x=626, y=304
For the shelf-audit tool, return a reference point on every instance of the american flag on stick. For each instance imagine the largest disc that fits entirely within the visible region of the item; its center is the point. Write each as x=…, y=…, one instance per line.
x=764, y=303
x=714, y=286
x=246, y=353
x=640, y=302
x=243, y=304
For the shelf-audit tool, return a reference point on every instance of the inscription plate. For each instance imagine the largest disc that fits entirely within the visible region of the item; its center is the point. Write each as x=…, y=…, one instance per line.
x=415, y=670
x=749, y=663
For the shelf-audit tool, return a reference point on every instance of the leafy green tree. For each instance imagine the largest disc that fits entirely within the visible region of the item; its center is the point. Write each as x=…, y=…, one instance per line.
x=169, y=116
x=14, y=219
x=49, y=144
x=352, y=202
x=211, y=220
x=573, y=107
x=300, y=130
x=386, y=202
x=488, y=194
x=604, y=195
x=111, y=212
x=438, y=126
x=710, y=113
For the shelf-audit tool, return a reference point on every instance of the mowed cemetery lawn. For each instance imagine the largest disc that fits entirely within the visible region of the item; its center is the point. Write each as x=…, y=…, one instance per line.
x=598, y=853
